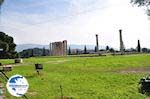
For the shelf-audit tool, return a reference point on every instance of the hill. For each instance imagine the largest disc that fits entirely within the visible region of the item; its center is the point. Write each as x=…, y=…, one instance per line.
x=21, y=47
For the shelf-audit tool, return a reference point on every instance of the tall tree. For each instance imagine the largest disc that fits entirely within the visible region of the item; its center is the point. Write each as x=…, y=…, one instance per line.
x=139, y=46
x=44, y=52
x=107, y=48
x=95, y=49
x=77, y=51
x=85, y=50
x=69, y=51
x=32, y=52
x=1, y=2
x=145, y=3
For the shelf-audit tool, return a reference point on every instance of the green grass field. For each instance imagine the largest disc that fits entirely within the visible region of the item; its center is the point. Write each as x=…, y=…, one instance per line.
x=110, y=77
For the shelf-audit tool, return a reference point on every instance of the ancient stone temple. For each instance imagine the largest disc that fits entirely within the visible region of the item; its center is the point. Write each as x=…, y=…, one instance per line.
x=58, y=48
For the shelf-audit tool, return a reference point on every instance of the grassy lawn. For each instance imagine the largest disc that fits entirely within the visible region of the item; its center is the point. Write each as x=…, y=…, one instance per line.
x=82, y=77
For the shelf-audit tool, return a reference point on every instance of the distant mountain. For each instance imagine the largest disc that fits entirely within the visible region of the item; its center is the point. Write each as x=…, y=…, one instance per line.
x=74, y=46
x=21, y=47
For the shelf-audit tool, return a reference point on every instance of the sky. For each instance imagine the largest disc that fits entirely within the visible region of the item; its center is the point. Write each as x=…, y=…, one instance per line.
x=77, y=21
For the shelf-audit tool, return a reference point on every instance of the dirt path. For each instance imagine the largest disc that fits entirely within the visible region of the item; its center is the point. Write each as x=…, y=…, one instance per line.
x=58, y=61
x=135, y=70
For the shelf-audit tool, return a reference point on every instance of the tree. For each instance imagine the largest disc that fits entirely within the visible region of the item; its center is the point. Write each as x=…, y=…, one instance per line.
x=4, y=46
x=69, y=51
x=107, y=48
x=32, y=52
x=77, y=52
x=132, y=49
x=7, y=45
x=85, y=50
x=145, y=50
x=95, y=49
x=112, y=50
x=145, y=3
x=138, y=46
x=44, y=52
x=1, y=2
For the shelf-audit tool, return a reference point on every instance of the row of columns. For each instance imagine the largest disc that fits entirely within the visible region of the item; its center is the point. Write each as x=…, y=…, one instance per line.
x=122, y=47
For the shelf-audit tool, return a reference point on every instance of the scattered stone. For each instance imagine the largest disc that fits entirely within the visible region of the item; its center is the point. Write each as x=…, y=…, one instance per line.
x=7, y=68
x=18, y=60
x=38, y=67
x=144, y=86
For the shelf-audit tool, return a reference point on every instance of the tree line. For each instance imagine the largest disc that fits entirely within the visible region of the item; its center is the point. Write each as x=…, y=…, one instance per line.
x=108, y=49
x=34, y=52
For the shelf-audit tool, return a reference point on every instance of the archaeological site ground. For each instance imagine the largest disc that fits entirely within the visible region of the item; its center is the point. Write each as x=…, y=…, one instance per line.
x=80, y=77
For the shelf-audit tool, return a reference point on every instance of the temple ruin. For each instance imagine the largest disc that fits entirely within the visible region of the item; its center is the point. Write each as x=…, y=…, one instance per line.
x=122, y=48
x=97, y=45
x=58, y=48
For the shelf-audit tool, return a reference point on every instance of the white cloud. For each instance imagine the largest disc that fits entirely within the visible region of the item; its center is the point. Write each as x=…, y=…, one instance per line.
x=85, y=20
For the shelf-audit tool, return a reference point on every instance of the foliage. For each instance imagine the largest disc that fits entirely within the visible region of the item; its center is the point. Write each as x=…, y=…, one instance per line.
x=69, y=51
x=143, y=3
x=107, y=48
x=7, y=45
x=77, y=52
x=44, y=52
x=85, y=50
x=4, y=46
x=138, y=46
x=34, y=52
x=95, y=49
x=111, y=50
x=145, y=50
x=1, y=2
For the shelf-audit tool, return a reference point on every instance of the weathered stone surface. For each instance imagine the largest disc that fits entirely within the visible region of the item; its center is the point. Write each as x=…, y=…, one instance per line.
x=18, y=60
x=7, y=68
x=38, y=66
x=58, y=48
x=97, y=45
x=122, y=48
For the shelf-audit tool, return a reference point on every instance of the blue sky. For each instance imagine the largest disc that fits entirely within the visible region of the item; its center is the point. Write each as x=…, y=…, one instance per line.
x=45, y=21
